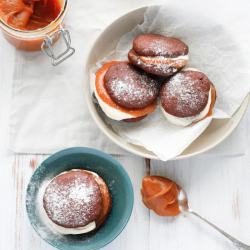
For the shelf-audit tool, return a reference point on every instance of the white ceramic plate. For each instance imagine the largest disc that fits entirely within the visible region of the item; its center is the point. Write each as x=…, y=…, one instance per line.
x=216, y=132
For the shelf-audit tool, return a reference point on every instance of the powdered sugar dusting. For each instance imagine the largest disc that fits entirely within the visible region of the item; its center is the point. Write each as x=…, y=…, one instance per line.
x=184, y=96
x=79, y=193
x=158, y=45
x=161, y=48
x=130, y=92
x=35, y=206
x=71, y=202
x=128, y=85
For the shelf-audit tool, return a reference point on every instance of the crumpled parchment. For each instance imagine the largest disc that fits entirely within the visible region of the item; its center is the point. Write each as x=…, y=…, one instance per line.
x=218, y=37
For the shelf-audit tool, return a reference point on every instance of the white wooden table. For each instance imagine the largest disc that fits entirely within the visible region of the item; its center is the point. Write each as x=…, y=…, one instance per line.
x=218, y=187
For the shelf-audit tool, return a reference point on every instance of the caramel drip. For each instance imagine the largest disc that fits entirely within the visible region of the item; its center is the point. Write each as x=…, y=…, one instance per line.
x=213, y=98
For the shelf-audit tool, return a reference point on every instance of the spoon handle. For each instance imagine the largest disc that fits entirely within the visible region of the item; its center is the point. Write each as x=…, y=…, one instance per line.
x=236, y=242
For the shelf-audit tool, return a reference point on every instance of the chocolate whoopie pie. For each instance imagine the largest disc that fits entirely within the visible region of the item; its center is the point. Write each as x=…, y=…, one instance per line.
x=187, y=97
x=129, y=86
x=158, y=55
x=125, y=92
x=74, y=200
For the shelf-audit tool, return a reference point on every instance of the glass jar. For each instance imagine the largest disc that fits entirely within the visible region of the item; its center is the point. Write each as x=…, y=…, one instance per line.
x=41, y=39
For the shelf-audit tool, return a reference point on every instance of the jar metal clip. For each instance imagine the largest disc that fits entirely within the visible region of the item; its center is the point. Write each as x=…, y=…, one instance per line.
x=48, y=41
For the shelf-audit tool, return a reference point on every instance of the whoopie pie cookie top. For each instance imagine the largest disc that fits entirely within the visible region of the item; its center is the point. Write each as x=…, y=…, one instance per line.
x=185, y=94
x=130, y=86
x=158, y=45
x=73, y=199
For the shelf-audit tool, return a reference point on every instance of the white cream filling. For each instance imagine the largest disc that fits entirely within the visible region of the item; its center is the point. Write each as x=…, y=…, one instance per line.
x=185, y=57
x=185, y=121
x=163, y=58
x=191, y=69
x=62, y=230
x=111, y=112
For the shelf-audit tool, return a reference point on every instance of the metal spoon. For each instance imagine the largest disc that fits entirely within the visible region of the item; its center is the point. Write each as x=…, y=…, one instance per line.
x=184, y=207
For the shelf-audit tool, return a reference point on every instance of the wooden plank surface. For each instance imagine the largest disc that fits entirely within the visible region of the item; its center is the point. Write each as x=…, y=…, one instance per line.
x=218, y=187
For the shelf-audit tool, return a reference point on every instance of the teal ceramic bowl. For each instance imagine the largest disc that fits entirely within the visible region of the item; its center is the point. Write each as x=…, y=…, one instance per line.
x=105, y=166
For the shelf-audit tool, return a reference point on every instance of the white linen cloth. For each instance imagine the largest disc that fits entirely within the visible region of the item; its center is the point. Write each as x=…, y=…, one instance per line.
x=48, y=108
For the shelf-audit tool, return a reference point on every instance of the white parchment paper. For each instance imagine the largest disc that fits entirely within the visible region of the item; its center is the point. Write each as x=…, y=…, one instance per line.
x=218, y=37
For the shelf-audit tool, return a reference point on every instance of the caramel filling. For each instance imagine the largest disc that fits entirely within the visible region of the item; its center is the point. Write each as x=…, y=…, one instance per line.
x=103, y=94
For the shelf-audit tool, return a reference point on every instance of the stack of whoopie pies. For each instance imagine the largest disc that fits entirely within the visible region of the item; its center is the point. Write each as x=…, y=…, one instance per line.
x=127, y=91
